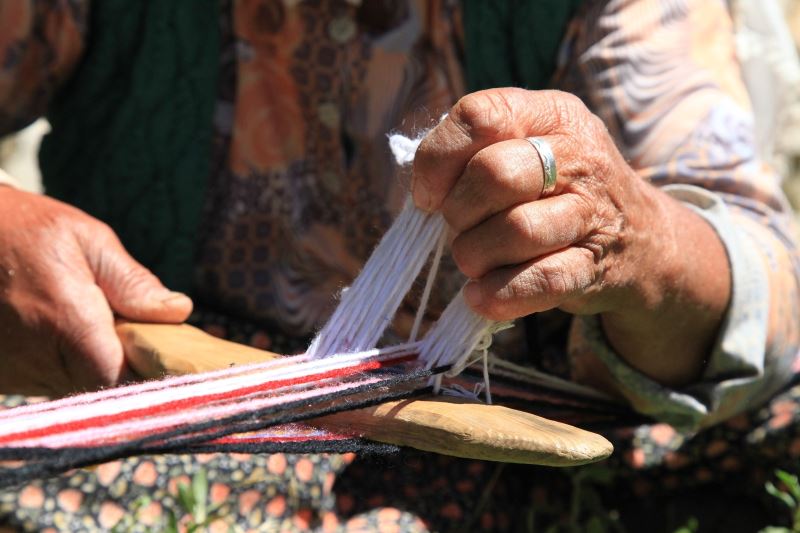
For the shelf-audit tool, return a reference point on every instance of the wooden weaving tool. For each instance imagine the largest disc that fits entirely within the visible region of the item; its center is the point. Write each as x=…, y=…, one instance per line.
x=449, y=426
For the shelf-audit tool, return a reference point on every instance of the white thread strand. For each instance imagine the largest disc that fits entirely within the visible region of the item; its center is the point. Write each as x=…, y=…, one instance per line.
x=368, y=307
x=487, y=389
x=426, y=294
x=224, y=384
x=404, y=148
x=454, y=336
x=534, y=377
x=437, y=383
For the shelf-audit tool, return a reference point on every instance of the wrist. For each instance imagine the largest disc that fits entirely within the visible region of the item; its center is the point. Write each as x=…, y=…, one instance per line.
x=676, y=296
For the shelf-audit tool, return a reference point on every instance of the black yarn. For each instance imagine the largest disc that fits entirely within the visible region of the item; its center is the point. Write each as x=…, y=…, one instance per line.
x=361, y=446
x=49, y=462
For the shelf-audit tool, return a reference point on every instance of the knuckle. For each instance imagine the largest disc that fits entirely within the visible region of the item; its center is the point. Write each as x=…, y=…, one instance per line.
x=595, y=124
x=483, y=114
x=92, y=227
x=481, y=164
x=573, y=101
x=467, y=262
x=103, y=229
x=550, y=280
x=497, y=168
x=569, y=102
x=519, y=222
x=93, y=234
x=495, y=307
x=487, y=170
x=568, y=110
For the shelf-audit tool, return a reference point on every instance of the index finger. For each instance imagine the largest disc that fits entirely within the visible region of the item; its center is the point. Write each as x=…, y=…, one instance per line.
x=476, y=121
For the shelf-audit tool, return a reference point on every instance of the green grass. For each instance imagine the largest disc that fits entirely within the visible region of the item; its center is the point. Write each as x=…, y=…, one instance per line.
x=192, y=514
x=786, y=491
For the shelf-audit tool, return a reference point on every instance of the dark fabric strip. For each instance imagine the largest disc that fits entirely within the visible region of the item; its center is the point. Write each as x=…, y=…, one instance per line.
x=46, y=462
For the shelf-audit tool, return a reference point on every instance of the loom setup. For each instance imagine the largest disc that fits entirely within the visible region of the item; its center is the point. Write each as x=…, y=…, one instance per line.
x=344, y=394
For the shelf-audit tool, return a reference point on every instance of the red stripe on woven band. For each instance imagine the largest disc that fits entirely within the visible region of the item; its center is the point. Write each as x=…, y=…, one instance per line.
x=187, y=403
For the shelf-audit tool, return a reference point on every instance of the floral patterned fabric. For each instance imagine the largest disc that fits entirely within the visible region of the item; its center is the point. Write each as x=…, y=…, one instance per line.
x=658, y=473
x=40, y=43
x=303, y=186
x=306, y=184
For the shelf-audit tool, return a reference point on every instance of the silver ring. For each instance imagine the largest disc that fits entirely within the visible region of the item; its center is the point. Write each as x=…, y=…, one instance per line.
x=548, y=164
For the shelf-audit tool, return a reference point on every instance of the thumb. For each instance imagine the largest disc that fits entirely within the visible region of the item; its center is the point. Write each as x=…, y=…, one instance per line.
x=133, y=292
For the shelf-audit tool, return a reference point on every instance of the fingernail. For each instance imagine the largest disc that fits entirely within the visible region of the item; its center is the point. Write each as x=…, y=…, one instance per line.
x=420, y=202
x=174, y=297
x=473, y=294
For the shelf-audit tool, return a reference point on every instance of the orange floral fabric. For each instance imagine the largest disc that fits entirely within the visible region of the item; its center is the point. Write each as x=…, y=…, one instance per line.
x=307, y=185
x=40, y=44
x=304, y=185
x=269, y=130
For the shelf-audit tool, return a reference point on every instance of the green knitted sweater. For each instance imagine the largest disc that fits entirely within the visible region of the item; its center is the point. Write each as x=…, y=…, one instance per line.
x=132, y=130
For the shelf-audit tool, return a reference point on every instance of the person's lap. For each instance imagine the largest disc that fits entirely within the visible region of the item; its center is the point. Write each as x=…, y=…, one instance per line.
x=410, y=490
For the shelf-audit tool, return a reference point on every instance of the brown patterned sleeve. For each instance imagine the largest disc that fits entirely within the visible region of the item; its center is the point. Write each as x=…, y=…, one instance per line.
x=41, y=41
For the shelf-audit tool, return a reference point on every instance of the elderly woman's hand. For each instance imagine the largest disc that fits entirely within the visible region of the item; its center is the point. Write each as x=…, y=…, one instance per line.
x=63, y=276
x=603, y=241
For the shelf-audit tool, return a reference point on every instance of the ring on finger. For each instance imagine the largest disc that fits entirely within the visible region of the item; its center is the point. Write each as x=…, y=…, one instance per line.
x=548, y=160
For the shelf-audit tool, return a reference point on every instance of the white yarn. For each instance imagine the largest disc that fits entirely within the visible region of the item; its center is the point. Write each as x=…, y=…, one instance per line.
x=537, y=378
x=459, y=391
x=369, y=305
x=457, y=333
x=426, y=294
x=460, y=338
x=403, y=148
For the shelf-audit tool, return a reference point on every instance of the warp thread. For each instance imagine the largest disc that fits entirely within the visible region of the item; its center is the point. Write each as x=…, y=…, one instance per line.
x=359, y=446
x=51, y=461
x=368, y=306
x=341, y=370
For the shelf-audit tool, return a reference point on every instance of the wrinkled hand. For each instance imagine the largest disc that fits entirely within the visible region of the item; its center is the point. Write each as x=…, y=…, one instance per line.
x=63, y=276
x=527, y=253
x=604, y=241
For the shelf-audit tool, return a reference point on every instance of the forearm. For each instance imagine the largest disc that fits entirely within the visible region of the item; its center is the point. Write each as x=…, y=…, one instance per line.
x=710, y=356
x=677, y=298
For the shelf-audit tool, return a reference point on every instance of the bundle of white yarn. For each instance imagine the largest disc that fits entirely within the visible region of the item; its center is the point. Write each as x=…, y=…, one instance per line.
x=368, y=306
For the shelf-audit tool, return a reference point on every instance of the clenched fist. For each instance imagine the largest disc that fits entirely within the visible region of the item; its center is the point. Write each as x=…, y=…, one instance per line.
x=604, y=241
